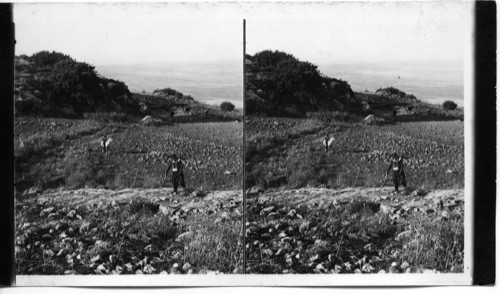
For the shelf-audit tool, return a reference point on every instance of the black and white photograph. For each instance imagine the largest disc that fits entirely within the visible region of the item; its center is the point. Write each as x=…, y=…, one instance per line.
x=244, y=144
x=128, y=140
x=355, y=152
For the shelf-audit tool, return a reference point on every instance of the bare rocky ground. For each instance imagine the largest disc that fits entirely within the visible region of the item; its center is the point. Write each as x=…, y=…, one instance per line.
x=355, y=230
x=129, y=231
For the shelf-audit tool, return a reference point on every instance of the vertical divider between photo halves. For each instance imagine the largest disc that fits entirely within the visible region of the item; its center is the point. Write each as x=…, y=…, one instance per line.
x=244, y=148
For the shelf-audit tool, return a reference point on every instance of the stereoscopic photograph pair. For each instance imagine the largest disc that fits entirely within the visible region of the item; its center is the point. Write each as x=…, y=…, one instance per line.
x=155, y=142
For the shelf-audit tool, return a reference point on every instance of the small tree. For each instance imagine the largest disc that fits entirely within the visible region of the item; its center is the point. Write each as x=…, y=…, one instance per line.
x=227, y=106
x=449, y=105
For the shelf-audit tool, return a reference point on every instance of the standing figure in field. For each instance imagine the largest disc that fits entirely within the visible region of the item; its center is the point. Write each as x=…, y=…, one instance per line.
x=398, y=174
x=327, y=142
x=177, y=166
x=105, y=144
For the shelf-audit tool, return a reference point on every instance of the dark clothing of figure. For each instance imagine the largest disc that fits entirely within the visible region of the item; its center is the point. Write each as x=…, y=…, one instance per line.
x=398, y=174
x=103, y=145
x=325, y=143
x=177, y=167
x=178, y=179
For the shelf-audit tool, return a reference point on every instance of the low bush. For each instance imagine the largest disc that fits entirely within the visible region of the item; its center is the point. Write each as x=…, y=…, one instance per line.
x=330, y=116
x=227, y=106
x=88, y=169
x=309, y=169
x=449, y=105
x=108, y=117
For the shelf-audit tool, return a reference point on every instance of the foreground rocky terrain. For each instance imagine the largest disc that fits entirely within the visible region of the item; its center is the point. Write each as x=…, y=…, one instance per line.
x=129, y=231
x=355, y=230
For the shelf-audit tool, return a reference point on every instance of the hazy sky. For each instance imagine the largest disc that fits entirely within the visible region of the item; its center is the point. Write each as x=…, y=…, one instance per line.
x=361, y=32
x=130, y=33
x=317, y=32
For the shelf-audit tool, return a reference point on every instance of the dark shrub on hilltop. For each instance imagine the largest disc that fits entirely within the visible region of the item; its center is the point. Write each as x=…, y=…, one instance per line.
x=169, y=93
x=449, y=105
x=54, y=84
x=227, y=106
x=392, y=92
x=279, y=84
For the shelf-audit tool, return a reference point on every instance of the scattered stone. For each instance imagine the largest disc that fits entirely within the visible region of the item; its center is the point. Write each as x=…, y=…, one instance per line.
x=320, y=268
x=403, y=235
x=367, y=268
x=418, y=192
x=305, y=226
x=186, y=267
x=84, y=227
x=268, y=252
x=71, y=214
x=48, y=210
x=269, y=209
x=225, y=216
x=368, y=246
x=185, y=236
x=164, y=209
x=292, y=213
x=404, y=265
x=314, y=258
x=196, y=193
x=273, y=215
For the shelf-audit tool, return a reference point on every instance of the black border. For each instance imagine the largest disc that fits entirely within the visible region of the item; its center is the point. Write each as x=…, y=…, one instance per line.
x=483, y=263
x=7, y=261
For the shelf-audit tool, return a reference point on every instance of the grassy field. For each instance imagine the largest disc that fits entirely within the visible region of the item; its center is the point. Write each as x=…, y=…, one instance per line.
x=66, y=153
x=288, y=152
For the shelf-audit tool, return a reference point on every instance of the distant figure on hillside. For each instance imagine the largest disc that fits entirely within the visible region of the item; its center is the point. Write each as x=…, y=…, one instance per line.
x=105, y=144
x=398, y=174
x=327, y=142
x=177, y=166
x=172, y=113
x=394, y=112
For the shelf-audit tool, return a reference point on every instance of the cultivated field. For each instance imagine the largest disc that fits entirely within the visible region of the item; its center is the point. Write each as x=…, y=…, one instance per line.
x=288, y=152
x=66, y=153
